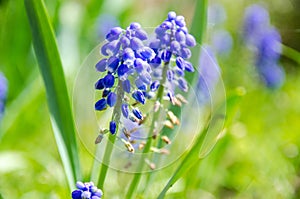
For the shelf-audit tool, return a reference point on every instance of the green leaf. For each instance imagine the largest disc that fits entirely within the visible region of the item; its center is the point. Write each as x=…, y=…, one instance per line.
x=204, y=141
x=57, y=95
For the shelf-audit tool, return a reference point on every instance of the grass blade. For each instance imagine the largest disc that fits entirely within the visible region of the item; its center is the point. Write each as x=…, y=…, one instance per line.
x=193, y=155
x=57, y=95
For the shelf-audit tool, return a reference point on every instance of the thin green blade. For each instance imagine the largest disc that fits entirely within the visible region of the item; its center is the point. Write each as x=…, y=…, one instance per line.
x=57, y=95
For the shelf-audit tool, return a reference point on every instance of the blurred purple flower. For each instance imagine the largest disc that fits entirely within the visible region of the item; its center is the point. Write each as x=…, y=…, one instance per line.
x=222, y=42
x=209, y=75
x=86, y=190
x=3, y=93
x=265, y=41
x=256, y=21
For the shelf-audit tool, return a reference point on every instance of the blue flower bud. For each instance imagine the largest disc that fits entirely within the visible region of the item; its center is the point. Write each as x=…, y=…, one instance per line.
x=180, y=36
x=99, y=84
x=122, y=72
x=110, y=48
x=106, y=92
x=86, y=195
x=145, y=77
x=147, y=53
x=175, y=47
x=179, y=72
x=190, y=40
x=141, y=34
x=166, y=25
x=76, y=194
x=139, y=96
x=189, y=67
x=100, y=105
x=170, y=75
x=166, y=56
x=128, y=56
x=80, y=185
x=113, y=63
x=155, y=62
x=98, y=193
x=101, y=65
x=109, y=81
x=126, y=86
x=185, y=53
x=114, y=34
x=111, y=99
x=182, y=84
x=165, y=40
x=180, y=21
x=136, y=44
x=138, y=64
x=125, y=42
x=160, y=31
x=171, y=15
x=112, y=127
x=154, y=86
x=155, y=44
x=125, y=110
x=180, y=63
x=134, y=26
x=137, y=113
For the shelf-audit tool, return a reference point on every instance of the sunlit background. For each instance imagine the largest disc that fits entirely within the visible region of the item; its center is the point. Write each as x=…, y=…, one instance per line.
x=258, y=157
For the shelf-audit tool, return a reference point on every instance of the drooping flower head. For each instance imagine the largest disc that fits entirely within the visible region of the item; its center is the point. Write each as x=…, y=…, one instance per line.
x=86, y=190
x=3, y=93
x=172, y=46
x=127, y=72
x=265, y=42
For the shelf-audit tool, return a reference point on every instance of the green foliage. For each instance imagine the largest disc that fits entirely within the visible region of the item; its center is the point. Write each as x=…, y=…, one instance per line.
x=57, y=94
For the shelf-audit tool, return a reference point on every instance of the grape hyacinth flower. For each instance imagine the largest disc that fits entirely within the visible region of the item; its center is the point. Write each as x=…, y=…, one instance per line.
x=86, y=190
x=3, y=93
x=128, y=75
x=209, y=75
x=265, y=41
x=172, y=46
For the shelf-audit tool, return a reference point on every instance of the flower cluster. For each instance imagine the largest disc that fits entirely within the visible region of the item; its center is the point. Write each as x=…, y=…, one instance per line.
x=172, y=42
x=265, y=40
x=86, y=191
x=3, y=93
x=133, y=72
x=127, y=64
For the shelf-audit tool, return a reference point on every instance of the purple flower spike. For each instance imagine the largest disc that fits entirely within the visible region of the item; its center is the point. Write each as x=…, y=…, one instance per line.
x=100, y=105
x=111, y=99
x=112, y=127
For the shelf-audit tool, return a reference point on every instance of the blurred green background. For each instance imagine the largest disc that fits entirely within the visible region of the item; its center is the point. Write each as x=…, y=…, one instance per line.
x=257, y=158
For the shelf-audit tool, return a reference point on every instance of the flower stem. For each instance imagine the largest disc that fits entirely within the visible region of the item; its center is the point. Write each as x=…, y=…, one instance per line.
x=291, y=53
x=137, y=177
x=111, y=138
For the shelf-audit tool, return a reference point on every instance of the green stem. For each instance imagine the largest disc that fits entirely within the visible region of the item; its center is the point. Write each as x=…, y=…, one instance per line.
x=111, y=138
x=137, y=177
x=291, y=53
